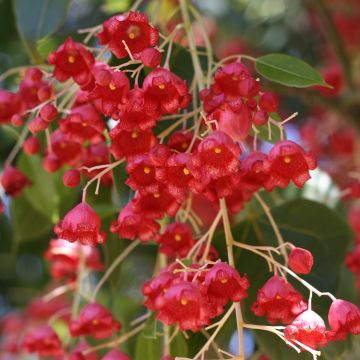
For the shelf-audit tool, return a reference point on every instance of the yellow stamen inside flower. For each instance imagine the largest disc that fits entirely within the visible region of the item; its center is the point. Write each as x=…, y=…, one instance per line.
x=95, y=322
x=184, y=301
x=71, y=59
x=307, y=329
x=277, y=297
x=235, y=78
x=134, y=134
x=177, y=237
x=147, y=170
x=186, y=171
x=132, y=36
x=161, y=86
x=63, y=145
x=217, y=150
x=156, y=195
x=84, y=124
x=165, y=290
x=184, y=145
x=224, y=280
x=112, y=86
x=287, y=160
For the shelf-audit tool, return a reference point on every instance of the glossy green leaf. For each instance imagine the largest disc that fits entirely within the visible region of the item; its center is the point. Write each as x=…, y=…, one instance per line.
x=150, y=328
x=179, y=346
x=288, y=71
x=38, y=19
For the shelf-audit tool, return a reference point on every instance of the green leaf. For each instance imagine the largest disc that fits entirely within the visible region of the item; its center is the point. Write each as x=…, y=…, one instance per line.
x=304, y=223
x=124, y=192
x=150, y=327
x=288, y=71
x=149, y=349
x=179, y=346
x=38, y=19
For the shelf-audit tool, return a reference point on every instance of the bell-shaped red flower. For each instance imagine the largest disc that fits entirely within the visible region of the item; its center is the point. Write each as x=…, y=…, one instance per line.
x=131, y=143
x=64, y=258
x=96, y=321
x=223, y=283
x=71, y=59
x=10, y=104
x=344, y=319
x=184, y=304
x=43, y=341
x=110, y=91
x=157, y=286
x=180, y=141
x=82, y=224
x=134, y=29
x=165, y=92
x=278, y=301
x=13, y=181
x=288, y=161
x=216, y=156
x=300, y=260
x=176, y=240
x=83, y=124
x=308, y=328
x=131, y=224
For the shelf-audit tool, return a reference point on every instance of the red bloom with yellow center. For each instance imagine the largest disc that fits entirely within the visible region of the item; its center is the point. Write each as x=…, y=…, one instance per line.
x=96, y=321
x=288, y=161
x=133, y=29
x=165, y=92
x=185, y=304
x=81, y=224
x=131, y=224
x=223, y=283
x=71, y=59
x=308, y=328
x=176, y=240
x=278, y=301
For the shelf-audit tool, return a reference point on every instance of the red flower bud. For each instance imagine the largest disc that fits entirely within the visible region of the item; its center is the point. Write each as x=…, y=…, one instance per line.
x=48, y=112
x=71, y=178
x=31, y=145
x=300, y=260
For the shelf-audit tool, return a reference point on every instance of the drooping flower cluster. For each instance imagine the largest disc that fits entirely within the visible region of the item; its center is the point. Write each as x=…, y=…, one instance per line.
x=191, y=298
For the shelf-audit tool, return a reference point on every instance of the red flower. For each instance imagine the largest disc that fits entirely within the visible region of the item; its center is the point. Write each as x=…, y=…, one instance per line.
x=308, y=328
x=344, y=319
x=82, y=224
x=185, y=304
x=134, y=29
x=81, y=347
x=10, y=104
x=115, y=354
x=64, y=258
x=131, y=224
x=44, y=341
x=13, y=181
x=176, y=240
x=131, y=143
x=176, y=175
x=39, y=309
x=165, y=92
x=288, y=161
x=84, y=123
x=217, y=156
x=223, y=283
x=64, y=150
x=157, y=286
x=279, y=301
x=269, y=102
x=71, y=59
x=300, y=260
x=134, y=113
x=94, y=320
x=150, y=57
x=110, y=91
x=141, y=174
x=254, y=175
x=352, y=260
x=180, y=141
x=156, y=203
x=234, y=80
